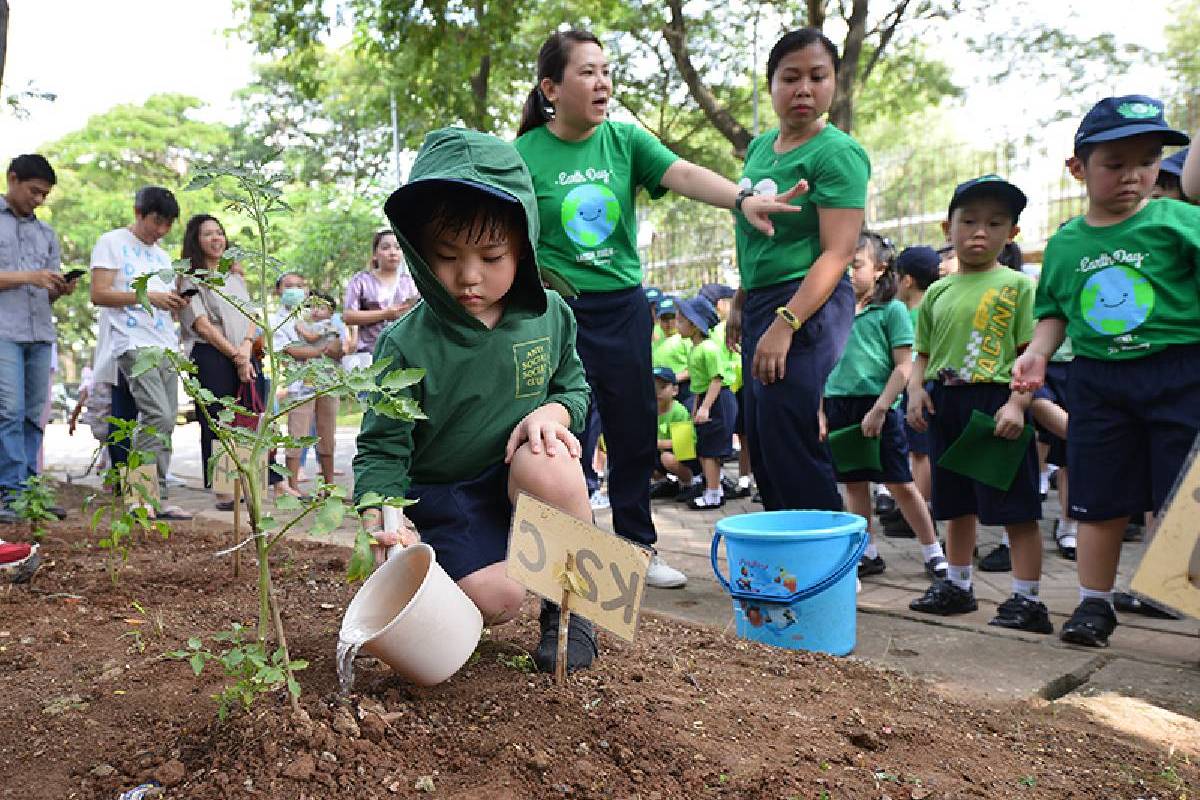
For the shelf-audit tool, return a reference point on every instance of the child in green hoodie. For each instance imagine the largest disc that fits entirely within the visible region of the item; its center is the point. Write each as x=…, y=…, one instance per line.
x=504, y=390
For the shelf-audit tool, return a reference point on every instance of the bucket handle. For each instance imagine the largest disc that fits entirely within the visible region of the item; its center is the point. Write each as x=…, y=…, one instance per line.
x=805, y=593
x=393, y=520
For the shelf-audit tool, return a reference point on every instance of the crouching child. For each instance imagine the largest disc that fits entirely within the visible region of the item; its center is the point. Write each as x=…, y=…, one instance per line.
x=504, y=389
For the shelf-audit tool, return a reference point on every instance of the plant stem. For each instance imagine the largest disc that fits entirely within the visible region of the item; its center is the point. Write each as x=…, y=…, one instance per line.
x=283, y=645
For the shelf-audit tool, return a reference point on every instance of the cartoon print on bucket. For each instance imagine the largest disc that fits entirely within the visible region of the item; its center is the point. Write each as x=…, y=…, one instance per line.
x=590, y=214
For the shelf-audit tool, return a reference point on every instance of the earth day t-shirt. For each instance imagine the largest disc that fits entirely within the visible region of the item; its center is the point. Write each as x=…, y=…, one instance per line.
x=837, y=169
x=585, y=194
x=1126, y=290
x=867, y=362
x=705, y=363
x=971, y=325
x=676, y=413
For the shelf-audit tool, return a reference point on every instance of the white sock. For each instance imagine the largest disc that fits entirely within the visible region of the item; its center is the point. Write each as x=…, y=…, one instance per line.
x=929, y=551
x=712, y=496
x=1095, y=594
x=1027, y=589
x=882, y=491
x=1004, y=539
x=697, y=480
x=960, y=576
x=1044, y=482
x=744, y=482
x=872, y=551
x=1069, y=527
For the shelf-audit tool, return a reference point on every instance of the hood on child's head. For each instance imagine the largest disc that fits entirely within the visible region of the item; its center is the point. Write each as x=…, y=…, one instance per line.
x=478, y=167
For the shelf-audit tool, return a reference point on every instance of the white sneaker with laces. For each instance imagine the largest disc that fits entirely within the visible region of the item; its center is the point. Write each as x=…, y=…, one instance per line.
x=662, y=576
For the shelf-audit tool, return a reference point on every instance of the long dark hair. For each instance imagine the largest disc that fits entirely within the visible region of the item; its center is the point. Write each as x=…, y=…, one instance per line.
x=191, y=240
x=792, y=41
x=551, y=63
x=375, y=240
x=883, y=252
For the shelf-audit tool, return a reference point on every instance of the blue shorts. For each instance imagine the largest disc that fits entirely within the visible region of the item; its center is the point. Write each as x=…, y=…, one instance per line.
x=1055, y=390
x=465, y=522
x=1132, y=426
x=692, y=464
x=714, y=439
x=739, y=420
x=955, y=495
x=918, y=441
x=842, y=412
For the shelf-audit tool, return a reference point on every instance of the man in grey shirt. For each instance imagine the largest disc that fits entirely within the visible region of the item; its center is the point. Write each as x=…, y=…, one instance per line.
x=30, y=280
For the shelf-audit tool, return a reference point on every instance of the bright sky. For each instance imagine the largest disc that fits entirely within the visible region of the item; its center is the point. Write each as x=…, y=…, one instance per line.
x=95, y=55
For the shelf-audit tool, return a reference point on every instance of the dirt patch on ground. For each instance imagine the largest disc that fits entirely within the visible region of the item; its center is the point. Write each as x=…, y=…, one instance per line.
x=90, y=707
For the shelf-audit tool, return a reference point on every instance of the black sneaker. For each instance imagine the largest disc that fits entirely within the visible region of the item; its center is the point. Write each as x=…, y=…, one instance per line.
x=944, y=598
x=1130, y=604
x=937, y=568
x=1092, y=622
x=700, y=504
x=871, y=566
x=581, y=641
x=1019, y=613
x=999, y=560
x=896, y=526
x=660, y=490
x=689, y=493
x=1134, y=532
x=884, y=504
x=756, y=498
x=1065, y=542
x=734, y=490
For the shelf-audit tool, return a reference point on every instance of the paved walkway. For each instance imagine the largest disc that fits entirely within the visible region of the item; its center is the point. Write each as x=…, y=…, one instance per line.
x=1157, y=660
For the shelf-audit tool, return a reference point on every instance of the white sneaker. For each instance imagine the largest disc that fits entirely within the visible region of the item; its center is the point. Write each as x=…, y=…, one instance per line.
x=662, y=576
x=599, y=500
x=174, y=480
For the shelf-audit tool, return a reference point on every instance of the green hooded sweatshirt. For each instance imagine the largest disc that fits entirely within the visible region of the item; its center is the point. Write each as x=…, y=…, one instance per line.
x=479, y=382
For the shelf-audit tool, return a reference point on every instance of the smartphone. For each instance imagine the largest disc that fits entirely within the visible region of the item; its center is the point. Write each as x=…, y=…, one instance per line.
x=192, y=292
x=74, y=274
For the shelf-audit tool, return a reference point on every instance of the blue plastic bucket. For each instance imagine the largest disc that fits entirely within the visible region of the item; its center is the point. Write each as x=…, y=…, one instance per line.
x=793, y=577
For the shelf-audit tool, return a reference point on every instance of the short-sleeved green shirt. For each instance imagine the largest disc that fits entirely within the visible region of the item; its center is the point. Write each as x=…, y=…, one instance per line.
x=585, y=194
x=676, y=413
x=972, y=324
x=837, y=169
x=672, y=352
x=705, y=362
x=717, y=334
x=867, y=362
x=1126, y=290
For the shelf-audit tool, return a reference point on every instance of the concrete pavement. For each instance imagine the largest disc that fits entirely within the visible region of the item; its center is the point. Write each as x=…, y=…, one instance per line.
x=1154, y=660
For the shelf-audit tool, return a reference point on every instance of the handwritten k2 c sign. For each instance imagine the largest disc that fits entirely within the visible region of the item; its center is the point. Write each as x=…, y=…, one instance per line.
x=610, y=572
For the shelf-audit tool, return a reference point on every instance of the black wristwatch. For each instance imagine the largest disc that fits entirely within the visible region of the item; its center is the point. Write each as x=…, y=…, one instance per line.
x=742, y=195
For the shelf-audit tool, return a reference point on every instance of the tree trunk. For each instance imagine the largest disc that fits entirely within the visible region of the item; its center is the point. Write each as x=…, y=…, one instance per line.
x=3, y=38
x=676, y=36
x=816, y=14
x=841, y=113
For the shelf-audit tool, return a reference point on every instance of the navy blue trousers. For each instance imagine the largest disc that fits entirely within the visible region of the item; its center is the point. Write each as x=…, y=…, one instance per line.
x=614, y=344
x=792, y=466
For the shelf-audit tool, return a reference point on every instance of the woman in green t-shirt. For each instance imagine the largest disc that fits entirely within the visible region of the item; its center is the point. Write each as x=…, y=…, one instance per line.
x=586, y=172
x=796, y=306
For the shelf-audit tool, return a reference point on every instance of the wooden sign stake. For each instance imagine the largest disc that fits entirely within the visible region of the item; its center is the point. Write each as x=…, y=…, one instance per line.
x=564, y=622
x=237, y=526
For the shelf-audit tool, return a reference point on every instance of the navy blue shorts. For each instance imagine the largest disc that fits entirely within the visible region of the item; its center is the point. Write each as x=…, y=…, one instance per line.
x=955, y=495
x=918, y=441
x=842, y=412
x=1055, y=390
x=739, y=419
x=1132, y=426
x=466, y=522
x=692, y=464
x=714, y=439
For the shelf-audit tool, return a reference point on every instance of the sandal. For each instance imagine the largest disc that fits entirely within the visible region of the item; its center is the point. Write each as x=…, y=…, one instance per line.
x=176, y=513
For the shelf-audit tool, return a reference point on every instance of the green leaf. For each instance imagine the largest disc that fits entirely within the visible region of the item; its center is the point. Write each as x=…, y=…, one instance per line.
x=147, y=359
x=329, y=516
x=198, y=182
x=402, y=378
x=197, y=662
x=297, y=664
x=288, y=502
x=362, y=562
x=293, y=686
x=370, y=499
x=194, y=643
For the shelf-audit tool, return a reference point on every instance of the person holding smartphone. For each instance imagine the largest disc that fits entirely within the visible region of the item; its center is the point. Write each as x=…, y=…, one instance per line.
x=30, y=280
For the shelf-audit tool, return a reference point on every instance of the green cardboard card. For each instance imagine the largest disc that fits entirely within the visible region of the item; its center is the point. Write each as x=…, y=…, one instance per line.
x=852, y=451
x=982, y=456
x=683, y=440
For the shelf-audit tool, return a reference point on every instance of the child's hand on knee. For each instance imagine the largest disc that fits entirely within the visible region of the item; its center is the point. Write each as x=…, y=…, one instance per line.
x=545, y=432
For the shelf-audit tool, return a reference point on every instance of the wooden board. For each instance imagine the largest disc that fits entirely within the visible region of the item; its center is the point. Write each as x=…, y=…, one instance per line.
x=224, y=473
x=142, y=485
x=612, y=570
x=1169, y=568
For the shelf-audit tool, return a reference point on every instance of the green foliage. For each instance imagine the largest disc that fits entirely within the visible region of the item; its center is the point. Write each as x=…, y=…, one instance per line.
x=33, y=504
x=1182, y=59
x=253, y=670
x=328, y=238
x=521, y=662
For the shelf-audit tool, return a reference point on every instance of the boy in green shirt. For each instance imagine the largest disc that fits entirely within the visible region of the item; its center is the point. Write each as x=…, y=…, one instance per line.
x=714, y=407
x=721, y=296
x=675, y=475
x=1122, y=282
x=504, y=389
x=970, y=328
x=673, y=350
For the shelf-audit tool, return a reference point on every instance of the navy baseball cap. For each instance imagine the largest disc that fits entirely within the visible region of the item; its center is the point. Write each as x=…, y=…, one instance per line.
x=699, y=312
x=712, y=292
x=653, y=294
x=664, y=374
x=921, y=262
x=1121, y=117
x=989, y=186
x=666, y=306
x=1173, y=164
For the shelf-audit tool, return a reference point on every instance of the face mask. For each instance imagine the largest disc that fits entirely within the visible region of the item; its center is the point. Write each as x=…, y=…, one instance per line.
x=292, y=296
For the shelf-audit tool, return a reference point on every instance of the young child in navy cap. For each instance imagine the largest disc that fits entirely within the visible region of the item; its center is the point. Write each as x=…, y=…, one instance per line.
x=862, y=390
x=673, y=474
x=917, y=268
x=672, y=352
x=1167, y=184
x=1120, y=281
x=713, y=409
x=970, y=327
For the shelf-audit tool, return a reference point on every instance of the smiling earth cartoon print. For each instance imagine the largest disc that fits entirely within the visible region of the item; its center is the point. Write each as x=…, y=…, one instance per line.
x=1116, y=300
x=590, y=214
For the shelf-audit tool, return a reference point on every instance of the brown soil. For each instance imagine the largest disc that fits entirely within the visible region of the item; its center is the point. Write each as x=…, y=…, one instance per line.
x=685, y=712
